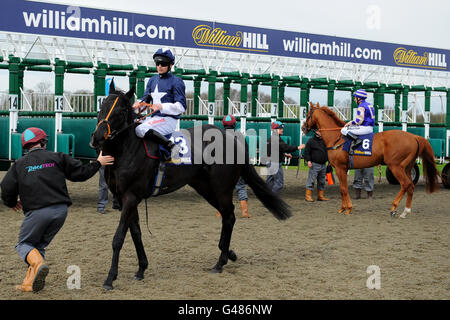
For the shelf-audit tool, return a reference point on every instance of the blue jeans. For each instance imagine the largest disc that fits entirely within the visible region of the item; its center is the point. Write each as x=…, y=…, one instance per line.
x=241, y=189
x=276, y=181
x=364, y=175
x=316, y=172
x=103, y=192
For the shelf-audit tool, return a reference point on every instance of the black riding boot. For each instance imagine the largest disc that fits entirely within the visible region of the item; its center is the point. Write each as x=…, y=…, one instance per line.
x=160, y=139
x=356, y=140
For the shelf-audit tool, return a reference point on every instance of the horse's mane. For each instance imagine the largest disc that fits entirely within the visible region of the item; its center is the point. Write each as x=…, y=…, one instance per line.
x=333, y=115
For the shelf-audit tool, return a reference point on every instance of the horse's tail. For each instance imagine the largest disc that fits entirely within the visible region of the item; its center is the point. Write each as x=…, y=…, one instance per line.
x=269, y=199
x=430, y=170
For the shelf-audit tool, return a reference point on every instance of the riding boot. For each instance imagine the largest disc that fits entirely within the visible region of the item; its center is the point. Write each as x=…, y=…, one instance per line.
x=308, y=196
x=27, y=283
x=35, y=278
x=369, y=194
x=321, y=195
x=358, y=193
x=161, y=140
x=356, y=140
x=244, y=209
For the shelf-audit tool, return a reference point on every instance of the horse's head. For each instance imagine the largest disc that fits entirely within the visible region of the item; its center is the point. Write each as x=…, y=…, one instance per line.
x=310, y=122
x=115, y=114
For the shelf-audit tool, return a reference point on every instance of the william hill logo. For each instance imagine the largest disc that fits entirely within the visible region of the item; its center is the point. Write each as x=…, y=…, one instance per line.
x=206, y=36
x=411, y=58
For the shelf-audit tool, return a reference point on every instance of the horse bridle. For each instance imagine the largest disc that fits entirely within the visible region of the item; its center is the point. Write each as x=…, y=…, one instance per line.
x=112, y=134
x=108, y=134
x=334, y=146
x=308, y=117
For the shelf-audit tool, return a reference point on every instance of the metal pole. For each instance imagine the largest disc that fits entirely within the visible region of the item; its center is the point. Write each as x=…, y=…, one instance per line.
x=244, y=105
x=211, y=98
x=404, y=119
x=427, y=119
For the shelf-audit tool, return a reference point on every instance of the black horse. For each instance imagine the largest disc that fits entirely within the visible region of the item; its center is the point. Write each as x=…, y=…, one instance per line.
x=134, y=170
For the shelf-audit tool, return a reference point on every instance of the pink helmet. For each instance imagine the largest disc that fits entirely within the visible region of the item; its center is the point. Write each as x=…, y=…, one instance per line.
x=229, y=121
x=32, y=136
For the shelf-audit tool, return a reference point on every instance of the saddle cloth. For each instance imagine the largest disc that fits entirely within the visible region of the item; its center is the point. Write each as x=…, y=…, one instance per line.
x=182, y=144
x=182, y=158
x=364, y=149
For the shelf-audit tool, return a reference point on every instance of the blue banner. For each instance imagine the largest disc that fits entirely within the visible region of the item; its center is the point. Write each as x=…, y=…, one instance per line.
x=86, y=23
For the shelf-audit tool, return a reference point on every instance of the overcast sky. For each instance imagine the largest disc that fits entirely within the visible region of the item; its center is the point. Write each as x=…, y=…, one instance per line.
x=409, y=22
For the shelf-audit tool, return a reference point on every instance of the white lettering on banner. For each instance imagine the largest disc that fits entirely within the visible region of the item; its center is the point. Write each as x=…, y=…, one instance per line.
x=253, y=40
x=90, y=23
x=343, y=49
x=53, y=19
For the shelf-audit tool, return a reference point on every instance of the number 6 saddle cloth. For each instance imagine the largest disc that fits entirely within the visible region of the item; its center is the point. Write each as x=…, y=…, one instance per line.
x=364, y=149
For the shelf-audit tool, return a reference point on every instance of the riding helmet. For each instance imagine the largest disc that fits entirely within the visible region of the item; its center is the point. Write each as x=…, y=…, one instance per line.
x=32, y=136
x=164, y=55
x=229, y=121
x=277, y=125
x=361, y=93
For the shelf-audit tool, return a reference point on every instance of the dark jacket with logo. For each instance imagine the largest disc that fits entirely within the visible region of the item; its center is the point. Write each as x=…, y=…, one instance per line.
x=39, y=179
x=316, y=151
x=283, y=148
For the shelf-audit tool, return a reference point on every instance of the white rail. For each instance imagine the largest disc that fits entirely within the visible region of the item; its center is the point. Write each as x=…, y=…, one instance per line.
x=291, y=110
x=261, y=110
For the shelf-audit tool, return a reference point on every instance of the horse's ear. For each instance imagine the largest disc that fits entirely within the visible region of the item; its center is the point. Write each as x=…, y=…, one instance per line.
x=317, y=105
x=311, y=104
x=112, y=87
x=130, y=93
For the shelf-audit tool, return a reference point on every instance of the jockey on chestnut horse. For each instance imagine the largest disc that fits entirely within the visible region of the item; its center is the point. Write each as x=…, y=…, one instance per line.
x=395, y=148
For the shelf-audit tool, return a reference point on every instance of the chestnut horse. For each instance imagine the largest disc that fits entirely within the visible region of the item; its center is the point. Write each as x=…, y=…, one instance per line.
x=395, y=148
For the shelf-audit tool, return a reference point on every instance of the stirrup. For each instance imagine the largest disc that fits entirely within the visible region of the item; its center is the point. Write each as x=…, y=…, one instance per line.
x=172, y=151
x=357, y=142
x=175, y=151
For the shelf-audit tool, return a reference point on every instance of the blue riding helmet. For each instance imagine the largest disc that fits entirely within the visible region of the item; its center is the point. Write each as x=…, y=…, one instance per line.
x=361, y=93
x=164, y=55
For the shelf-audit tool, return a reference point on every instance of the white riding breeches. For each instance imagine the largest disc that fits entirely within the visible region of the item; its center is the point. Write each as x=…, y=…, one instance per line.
x=163, y=125
x=357, y=130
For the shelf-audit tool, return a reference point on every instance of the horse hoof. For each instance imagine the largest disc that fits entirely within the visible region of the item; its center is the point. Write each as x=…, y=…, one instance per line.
x=232, y=255
x=348, y=212
x=139, y=278
x=107, y=287
x=341, y=210
x=393, y=214
x=216, y=270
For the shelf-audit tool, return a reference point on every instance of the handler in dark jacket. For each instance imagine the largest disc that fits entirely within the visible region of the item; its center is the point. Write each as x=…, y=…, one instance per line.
x=37, y=183
x=316, y=156
x=275, y=177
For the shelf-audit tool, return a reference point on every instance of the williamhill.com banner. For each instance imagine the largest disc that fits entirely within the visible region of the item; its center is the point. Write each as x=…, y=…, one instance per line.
x=87, y=23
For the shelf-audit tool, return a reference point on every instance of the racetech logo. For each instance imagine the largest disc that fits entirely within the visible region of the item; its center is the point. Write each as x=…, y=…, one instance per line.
x=411, y=58
x=207, y=36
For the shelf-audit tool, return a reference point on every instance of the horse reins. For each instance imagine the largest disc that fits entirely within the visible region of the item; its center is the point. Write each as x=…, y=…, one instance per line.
x=334, y=146
x=111, y=135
